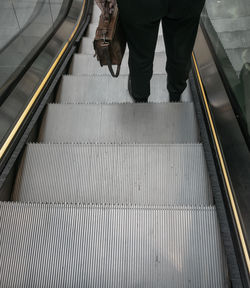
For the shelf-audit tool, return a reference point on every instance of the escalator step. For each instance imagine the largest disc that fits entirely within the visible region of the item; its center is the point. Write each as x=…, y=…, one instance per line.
x=109, y=246
x=96, y=9
x=95, y=18
x=120, y=123
x=91, y=30
x=93, y=26
x=124, y=174
x=105, y=89
x=86, y=46
x=88, y=65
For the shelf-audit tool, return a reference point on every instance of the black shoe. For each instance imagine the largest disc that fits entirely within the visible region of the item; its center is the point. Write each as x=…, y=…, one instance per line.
x=134, y=97
x=175, y=97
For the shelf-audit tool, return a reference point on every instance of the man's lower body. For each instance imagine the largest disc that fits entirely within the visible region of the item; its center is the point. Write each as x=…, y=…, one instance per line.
x=141, y=29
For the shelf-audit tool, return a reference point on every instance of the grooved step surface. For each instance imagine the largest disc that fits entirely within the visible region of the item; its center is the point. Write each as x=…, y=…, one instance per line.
x=88, y=65
x=120, y=123
x=137, y=174
x=107, y=246
x=105, y=89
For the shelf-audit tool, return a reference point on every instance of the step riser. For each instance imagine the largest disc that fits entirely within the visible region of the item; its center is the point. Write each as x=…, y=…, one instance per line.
x=87, y=48
x=126, y=123
x=142, y=175
x=45, y=246
x=93, y=26
x=105, y=89
x=88, y=65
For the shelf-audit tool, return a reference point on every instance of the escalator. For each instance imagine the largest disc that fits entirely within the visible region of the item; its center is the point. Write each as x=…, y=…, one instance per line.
x=109, y=193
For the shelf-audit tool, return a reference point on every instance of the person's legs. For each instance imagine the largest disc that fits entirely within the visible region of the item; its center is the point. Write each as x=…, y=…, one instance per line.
x=179, y=36
x=141, y=34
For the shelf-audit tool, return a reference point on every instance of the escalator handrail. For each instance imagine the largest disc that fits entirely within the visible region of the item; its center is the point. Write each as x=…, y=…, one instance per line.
x=223, y=168
x=33, y=99
x=226, y=82
x=10, y=83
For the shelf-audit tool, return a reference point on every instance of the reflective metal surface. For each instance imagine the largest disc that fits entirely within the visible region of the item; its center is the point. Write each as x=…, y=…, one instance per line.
x=227, y=23
x=24, y=24
x=110, y=246
x=128, y=173
x=20, y=97
x=235, y=150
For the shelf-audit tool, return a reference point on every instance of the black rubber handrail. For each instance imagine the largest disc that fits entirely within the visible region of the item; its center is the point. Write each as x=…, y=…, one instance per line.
x=230, y=92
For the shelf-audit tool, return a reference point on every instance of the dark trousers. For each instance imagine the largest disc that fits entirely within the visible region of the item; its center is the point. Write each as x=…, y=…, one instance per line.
x=140, y=20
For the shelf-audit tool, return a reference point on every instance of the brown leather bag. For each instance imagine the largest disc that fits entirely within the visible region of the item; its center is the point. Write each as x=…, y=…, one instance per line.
x=109, y=42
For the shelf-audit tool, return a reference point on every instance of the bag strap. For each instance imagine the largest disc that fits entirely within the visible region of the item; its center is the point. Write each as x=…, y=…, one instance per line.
x=111, y=70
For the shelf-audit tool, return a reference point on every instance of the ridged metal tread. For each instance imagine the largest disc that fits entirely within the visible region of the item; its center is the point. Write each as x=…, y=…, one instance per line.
x=119, y=174
x=109, y=246
x=88, y=65
x=105, y=89
x=86, y=46
x=120, y=123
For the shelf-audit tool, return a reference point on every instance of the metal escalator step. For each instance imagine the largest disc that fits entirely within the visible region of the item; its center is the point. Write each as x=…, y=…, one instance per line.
x=86, y=46
x=105, y=89
x=118, y=174
x=95, y=16
x=88, y=65
x=96, y=9
x=95, y=89
x=91, y=30
x=95, y=20
x=120, y=123
x=109, y=246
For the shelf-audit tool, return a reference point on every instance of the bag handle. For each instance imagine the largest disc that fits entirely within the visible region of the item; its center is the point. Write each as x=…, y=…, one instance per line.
x=111, y=70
